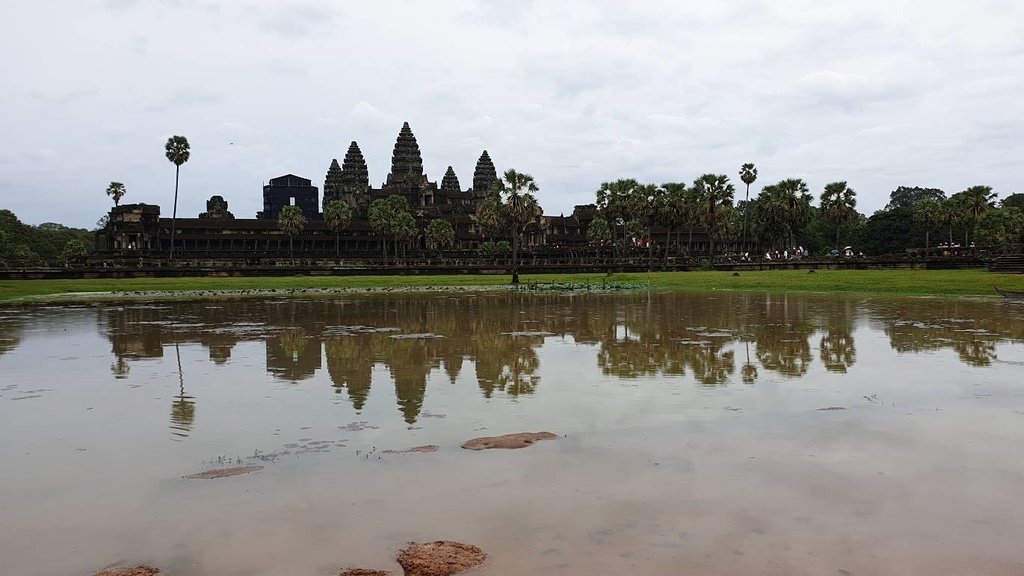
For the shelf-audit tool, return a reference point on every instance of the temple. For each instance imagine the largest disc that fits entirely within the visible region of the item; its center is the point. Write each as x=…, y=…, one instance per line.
x=140, y=230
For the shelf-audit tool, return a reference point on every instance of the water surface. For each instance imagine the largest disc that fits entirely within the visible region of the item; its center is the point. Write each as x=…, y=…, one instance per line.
x=701, y=433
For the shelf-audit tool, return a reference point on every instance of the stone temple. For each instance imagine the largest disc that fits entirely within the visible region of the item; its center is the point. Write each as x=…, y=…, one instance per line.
x=138, y=229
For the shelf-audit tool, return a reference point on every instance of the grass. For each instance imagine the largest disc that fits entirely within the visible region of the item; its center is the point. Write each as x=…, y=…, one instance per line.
x=892, y=282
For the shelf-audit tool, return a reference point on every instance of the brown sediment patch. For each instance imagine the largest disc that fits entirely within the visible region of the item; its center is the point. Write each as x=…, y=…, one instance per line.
x=440, y=558
x=520, y=440
x=223, y=472
x=140, y=570
x=414, y=450
x=364, y=572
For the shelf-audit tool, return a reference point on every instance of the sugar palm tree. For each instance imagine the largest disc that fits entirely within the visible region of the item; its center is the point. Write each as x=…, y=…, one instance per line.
x=926, y=213
x=337, y=215
x=976, y=201
x=177, y=151
x=748, y=174
x=838, y=205
x=786, y=204
x=521, y=209
x=116, y=191
x=291, y=221
x=713, y=192
x=440, y=234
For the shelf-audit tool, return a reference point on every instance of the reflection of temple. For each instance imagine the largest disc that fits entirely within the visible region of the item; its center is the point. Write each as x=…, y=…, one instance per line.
x=139, y=230
x=494, y=339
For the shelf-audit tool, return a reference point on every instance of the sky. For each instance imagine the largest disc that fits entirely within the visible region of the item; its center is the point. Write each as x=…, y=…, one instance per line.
x=877, y=93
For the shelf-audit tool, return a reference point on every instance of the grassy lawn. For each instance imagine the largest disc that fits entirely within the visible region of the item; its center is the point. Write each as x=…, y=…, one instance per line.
x=893, y=282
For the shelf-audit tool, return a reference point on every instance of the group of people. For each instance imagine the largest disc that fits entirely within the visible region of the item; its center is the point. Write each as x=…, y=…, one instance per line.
x=796, y=253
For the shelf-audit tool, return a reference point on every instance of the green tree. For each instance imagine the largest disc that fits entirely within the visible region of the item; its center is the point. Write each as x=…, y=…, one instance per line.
x=838, y=206
x=177, y=152
x=1013, y=201
x=116, y=191
x=748, y=175
x=786, y=205
x=488, y=216
x=926, y=213
x=613, y=204
x=713, y=193
x=405, y=229
x=73, y=249
x=520, y=209
x=976, y=201
x=291, y=221
x=672, y=211
x=440, y=234
x=598, y=231
x=950, y=215
x=1000, y=227
x=386, y=220
x=337, y=215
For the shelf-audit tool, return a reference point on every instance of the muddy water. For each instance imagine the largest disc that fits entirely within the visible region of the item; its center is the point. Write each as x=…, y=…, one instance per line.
x=701, y=434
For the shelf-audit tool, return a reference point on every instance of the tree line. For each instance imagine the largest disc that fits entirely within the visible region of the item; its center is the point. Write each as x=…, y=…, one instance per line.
x=48, y=243
x=783, y=216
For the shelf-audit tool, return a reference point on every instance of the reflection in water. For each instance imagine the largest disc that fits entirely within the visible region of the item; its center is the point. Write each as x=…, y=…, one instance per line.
x=637, y=335
x=183, y=410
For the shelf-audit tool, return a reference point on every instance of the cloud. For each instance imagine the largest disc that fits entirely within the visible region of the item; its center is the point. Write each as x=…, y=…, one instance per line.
x=878, y=93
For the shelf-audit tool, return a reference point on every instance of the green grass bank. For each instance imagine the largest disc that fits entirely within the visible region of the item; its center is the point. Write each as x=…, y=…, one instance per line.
x=888, y=282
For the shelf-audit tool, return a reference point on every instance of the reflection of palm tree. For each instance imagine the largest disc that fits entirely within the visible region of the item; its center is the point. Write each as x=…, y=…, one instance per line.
x=837, y=349
x=183, y=409
x=749, y=370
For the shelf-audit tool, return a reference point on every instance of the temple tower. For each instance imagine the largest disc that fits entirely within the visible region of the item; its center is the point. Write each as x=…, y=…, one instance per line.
x=332, y=183
x=450, y=182
x=484, y=176
x=355, y=178
x=407, y=177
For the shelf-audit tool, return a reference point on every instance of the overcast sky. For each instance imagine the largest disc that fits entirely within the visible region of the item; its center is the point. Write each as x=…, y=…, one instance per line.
x=878, y=93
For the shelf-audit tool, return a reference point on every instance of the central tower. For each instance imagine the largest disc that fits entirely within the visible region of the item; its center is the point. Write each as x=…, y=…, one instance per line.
x=407, y=177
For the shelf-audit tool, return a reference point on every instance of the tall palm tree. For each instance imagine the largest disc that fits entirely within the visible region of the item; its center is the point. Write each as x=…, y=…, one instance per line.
x=838, y=205
x=748, y=174
x=116, y=191
x=926, y=213
x=950, y=214
x=337, y=215
x=177, y=151
x=786, y=204
x=291, y=221
x=521, y=209
x=713, y=192
x=672, y=212
x=976, y=201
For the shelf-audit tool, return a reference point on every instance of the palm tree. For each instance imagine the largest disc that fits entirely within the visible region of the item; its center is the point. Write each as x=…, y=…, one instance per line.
x=521, y=209
x=337, y=215
x=177, y=151
x=927, y=212
x=976, y=201
x=291, y=221
x=950, y=214
x=440, y=234
x=748, y=174
x=786, y=203
x=116, y=191
x=838, y=205
x=713, y=193
x=672, y=213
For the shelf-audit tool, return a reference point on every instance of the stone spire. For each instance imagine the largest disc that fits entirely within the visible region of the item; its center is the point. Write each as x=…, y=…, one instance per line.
x=450, y=182
x=355, y=178
x=406, y=162
x=484, y=176
x=332, y=184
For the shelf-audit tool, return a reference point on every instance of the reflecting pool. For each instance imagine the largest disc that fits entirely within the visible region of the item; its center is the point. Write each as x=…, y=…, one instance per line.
x=714, y=433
